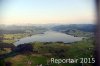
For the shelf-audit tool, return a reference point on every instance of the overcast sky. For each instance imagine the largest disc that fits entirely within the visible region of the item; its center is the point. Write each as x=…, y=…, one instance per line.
x=47, y=11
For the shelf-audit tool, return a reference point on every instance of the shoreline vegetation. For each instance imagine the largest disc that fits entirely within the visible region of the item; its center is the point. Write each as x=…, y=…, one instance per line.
x=41, y=52
x=37, y=53
x=11, y=38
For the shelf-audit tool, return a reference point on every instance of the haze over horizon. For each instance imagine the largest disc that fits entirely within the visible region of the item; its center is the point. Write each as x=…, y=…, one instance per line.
x=23, y=12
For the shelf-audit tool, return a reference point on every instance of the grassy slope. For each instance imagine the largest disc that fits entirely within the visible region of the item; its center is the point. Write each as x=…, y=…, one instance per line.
x=79, y=49
x=10, y=38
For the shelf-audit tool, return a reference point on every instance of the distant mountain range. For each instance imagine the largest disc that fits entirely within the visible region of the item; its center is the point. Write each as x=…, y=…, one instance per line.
x=81, y=27
x=41, y=28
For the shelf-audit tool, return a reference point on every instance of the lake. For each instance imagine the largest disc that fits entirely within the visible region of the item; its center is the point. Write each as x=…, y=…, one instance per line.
x=49, y=36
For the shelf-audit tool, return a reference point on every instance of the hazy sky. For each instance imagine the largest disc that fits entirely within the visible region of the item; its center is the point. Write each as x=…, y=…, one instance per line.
x=47, y=11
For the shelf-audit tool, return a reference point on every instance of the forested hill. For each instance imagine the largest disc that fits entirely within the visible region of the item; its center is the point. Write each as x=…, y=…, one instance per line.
x=81, y=27
x=39, y=29
x=13, y=29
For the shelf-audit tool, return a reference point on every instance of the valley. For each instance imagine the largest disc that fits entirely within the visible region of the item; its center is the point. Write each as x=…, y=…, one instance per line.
x=40, y=51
